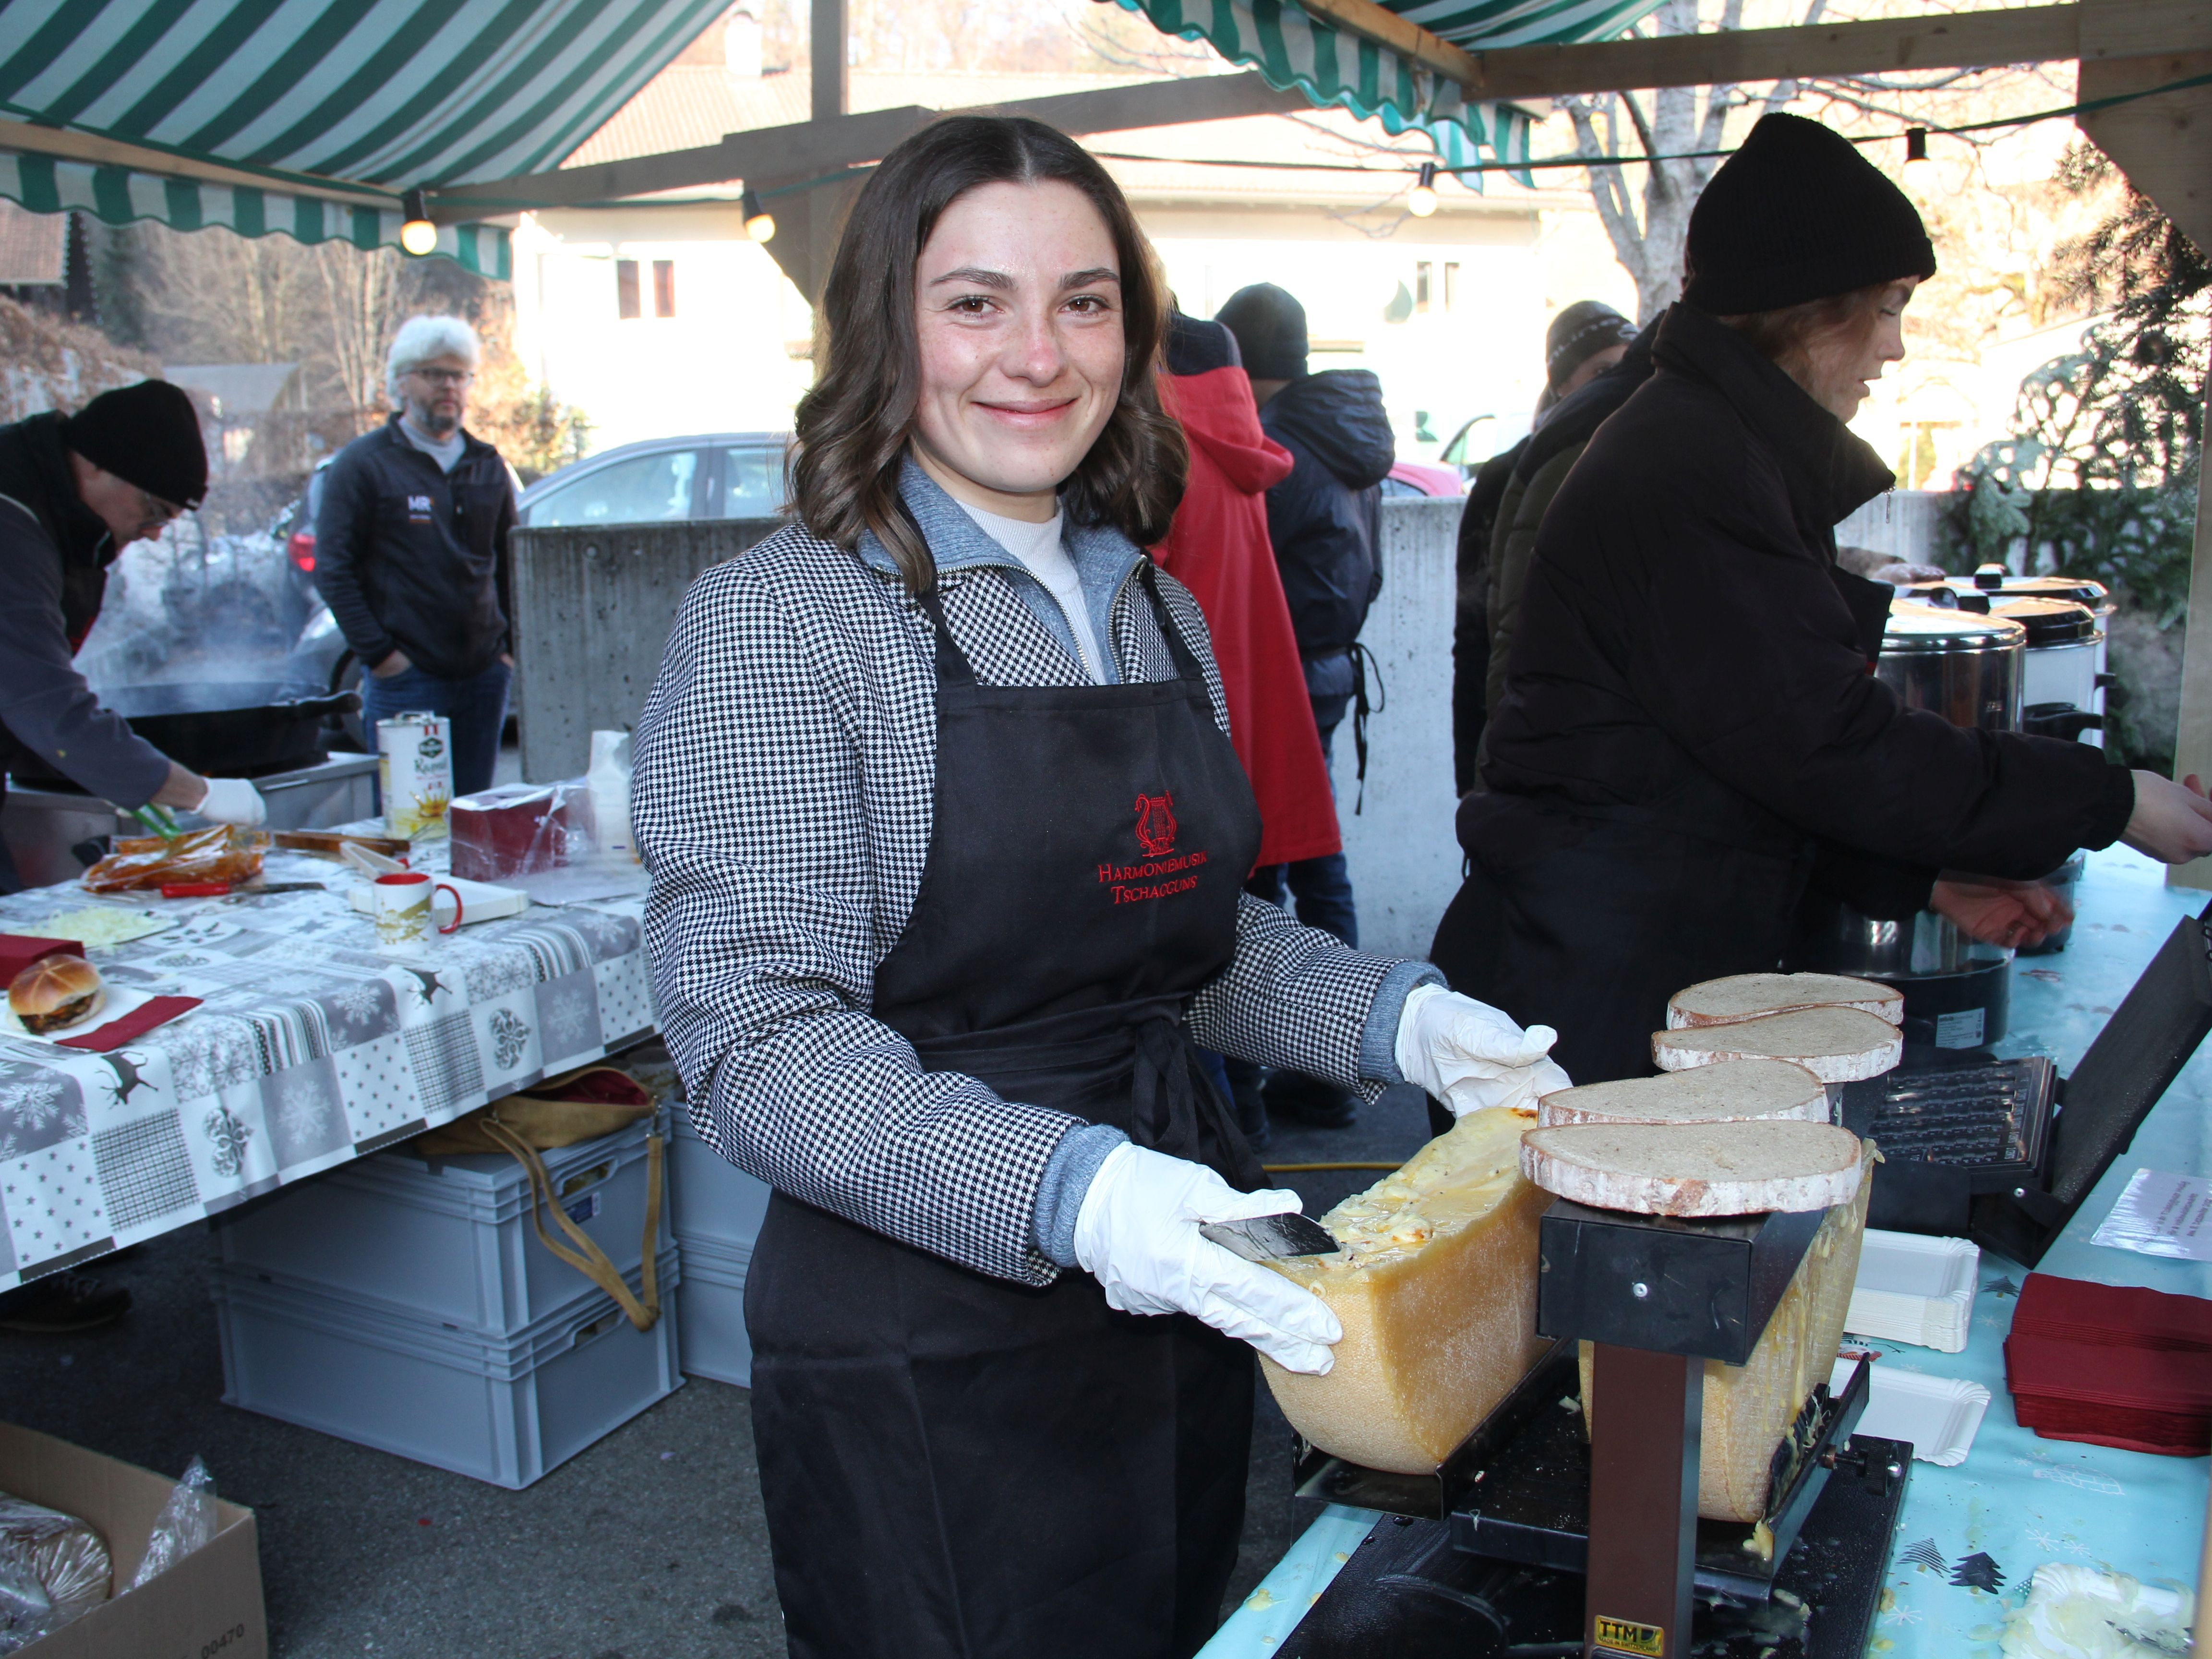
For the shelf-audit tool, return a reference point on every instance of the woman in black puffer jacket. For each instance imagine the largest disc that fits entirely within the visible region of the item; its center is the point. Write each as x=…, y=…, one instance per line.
x=1690, y=734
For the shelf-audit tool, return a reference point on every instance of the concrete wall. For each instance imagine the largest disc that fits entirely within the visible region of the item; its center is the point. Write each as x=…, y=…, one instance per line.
x=592, y=608
x=1405, y=859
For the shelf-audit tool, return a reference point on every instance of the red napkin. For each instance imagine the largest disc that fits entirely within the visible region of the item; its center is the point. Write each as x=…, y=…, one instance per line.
x=2112, y=1365
x=155, y=1011
x=2127, y=1315
x=18, y=951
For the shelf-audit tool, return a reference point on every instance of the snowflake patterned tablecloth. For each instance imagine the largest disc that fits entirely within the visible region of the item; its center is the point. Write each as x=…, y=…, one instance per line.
x=311, y=1047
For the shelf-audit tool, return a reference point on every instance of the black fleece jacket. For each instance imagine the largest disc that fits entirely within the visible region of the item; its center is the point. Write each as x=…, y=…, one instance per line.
x=1688, y=647
x=411, y=558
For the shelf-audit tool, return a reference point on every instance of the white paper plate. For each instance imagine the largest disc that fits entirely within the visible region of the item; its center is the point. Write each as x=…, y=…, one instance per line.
x=1939, y=1415
x=1914, y=1289
x=117, y=1003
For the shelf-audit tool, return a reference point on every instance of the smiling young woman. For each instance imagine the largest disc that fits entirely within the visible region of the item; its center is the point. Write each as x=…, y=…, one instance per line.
x=947, y=843
x=1017, y=336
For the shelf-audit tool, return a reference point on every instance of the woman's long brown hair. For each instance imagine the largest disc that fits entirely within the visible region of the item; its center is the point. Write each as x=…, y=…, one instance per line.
x=852, y=428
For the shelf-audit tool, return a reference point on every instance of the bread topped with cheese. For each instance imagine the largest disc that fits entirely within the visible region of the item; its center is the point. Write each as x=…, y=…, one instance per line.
x=1731, y=1092
x=1835, y=1044
x=1696, y=1169
x=1748, y=996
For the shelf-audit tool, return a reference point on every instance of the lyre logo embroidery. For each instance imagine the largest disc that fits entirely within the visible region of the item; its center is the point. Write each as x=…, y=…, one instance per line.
x=1156, y=824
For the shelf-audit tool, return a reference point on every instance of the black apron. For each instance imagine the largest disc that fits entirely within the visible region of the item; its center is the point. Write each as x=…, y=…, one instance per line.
x=955, y=1465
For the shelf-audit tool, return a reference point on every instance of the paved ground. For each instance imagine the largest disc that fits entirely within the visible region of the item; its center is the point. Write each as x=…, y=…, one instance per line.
x=649, y=1546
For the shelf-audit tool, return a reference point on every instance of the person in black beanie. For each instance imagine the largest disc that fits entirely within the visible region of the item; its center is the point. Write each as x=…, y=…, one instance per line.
x=1325, y=523
x=1689, y=739
x=75, y=490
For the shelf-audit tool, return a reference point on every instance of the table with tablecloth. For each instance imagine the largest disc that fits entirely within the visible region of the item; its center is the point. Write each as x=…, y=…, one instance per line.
x=2018, y=1499
x=310, y=1048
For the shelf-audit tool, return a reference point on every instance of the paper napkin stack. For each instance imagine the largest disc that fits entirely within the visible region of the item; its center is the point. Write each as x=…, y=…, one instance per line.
x=2114, y=1365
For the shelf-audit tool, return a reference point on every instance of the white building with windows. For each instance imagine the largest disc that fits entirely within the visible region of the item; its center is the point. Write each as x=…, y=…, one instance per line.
x=664, y=318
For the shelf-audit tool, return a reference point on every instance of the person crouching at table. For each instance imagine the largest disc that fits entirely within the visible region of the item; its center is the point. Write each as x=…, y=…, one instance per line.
x=947, y=844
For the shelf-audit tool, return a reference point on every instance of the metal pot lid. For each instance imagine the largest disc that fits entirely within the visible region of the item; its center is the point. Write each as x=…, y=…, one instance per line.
x=2048, y=622
x=1918, y=630
x=1988, y=580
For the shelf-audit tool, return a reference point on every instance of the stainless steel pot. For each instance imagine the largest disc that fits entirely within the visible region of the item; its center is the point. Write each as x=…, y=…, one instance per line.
x=1970, y=668
x=2065, y=652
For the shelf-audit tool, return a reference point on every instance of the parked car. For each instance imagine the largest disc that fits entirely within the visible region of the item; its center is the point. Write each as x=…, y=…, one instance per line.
x=1419, y=478
x=722, y=475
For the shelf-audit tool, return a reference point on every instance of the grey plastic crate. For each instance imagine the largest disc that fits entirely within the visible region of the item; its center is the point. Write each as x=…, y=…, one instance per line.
x=718, y=1209
x=714, y=1201
x=502, y=1410
x=450, y=1239
x=711, y=1341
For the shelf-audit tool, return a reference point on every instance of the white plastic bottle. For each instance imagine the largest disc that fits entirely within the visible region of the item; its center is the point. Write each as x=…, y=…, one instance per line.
x=608, y=782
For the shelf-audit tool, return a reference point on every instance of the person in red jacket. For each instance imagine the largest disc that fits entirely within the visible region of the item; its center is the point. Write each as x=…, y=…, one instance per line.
x=1218, y=548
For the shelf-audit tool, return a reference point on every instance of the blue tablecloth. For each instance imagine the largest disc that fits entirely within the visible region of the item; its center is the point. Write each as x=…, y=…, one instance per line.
x=2018, y=1499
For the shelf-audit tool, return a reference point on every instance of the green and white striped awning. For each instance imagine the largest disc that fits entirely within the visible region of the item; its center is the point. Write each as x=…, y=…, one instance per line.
x=1293, y=48
x=331, y=108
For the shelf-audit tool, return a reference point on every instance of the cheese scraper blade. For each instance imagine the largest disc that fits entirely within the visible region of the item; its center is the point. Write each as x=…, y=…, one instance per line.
x=1270, y=1237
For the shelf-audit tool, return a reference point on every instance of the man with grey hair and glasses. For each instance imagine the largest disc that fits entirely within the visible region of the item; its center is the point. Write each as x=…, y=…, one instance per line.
x=411, y=550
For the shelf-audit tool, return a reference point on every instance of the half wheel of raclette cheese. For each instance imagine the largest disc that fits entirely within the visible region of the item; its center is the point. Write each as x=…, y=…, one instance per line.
x=1695, y=1168
x=1837, y=1045
x=1748, y=996
x=1734, y=1091
x=1436, y=1287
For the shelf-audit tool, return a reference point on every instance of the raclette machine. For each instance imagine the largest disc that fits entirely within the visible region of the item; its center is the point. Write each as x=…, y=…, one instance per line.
x=1530, y=1543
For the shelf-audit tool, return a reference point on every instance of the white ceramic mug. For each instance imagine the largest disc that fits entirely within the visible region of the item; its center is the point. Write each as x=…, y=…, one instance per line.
x=403, y=910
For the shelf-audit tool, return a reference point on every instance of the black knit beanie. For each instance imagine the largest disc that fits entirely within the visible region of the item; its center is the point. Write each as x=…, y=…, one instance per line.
x=147, y=435
x=1270, y=327
x=1798, y=214
x=1578, y=333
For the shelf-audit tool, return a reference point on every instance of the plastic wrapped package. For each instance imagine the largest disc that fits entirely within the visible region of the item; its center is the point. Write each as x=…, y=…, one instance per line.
x=519, y=830
x=187, y=1522
x=218, y=852
x=54, y=1568
x=27, y=1612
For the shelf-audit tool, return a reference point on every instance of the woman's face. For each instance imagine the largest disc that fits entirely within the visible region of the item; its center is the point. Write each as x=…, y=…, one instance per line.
x=1839, y=365
x=1017, y=308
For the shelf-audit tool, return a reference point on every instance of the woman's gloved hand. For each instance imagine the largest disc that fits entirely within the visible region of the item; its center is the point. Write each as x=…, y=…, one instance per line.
x=233, y=801
x=1137, y=1234
x=1468, y=1055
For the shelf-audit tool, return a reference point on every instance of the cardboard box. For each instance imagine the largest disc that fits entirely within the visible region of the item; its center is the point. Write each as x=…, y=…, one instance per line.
x=206, y=1607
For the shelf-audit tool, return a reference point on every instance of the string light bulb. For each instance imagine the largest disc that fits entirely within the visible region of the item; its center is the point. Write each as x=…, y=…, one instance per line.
x=1916, y=144
x=417, y=233
x=760, y=223
x=1421, y=200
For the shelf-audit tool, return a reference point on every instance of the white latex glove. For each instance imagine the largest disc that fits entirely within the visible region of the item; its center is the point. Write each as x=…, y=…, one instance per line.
x=1468, y=1055
x=233, y=801
x=1137, y=1234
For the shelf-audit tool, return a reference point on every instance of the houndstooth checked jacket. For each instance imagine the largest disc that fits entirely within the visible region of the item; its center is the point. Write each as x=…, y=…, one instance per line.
x=782, y=800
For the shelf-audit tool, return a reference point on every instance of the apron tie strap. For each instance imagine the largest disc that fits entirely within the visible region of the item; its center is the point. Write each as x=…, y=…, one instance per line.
x=1175, y=1106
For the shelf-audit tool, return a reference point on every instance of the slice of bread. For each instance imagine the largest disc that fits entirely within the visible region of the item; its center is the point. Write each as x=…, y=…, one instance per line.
x=1748, y=996
x=1734, y=1091
x=1695, y=1169
x=1837, y=1045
